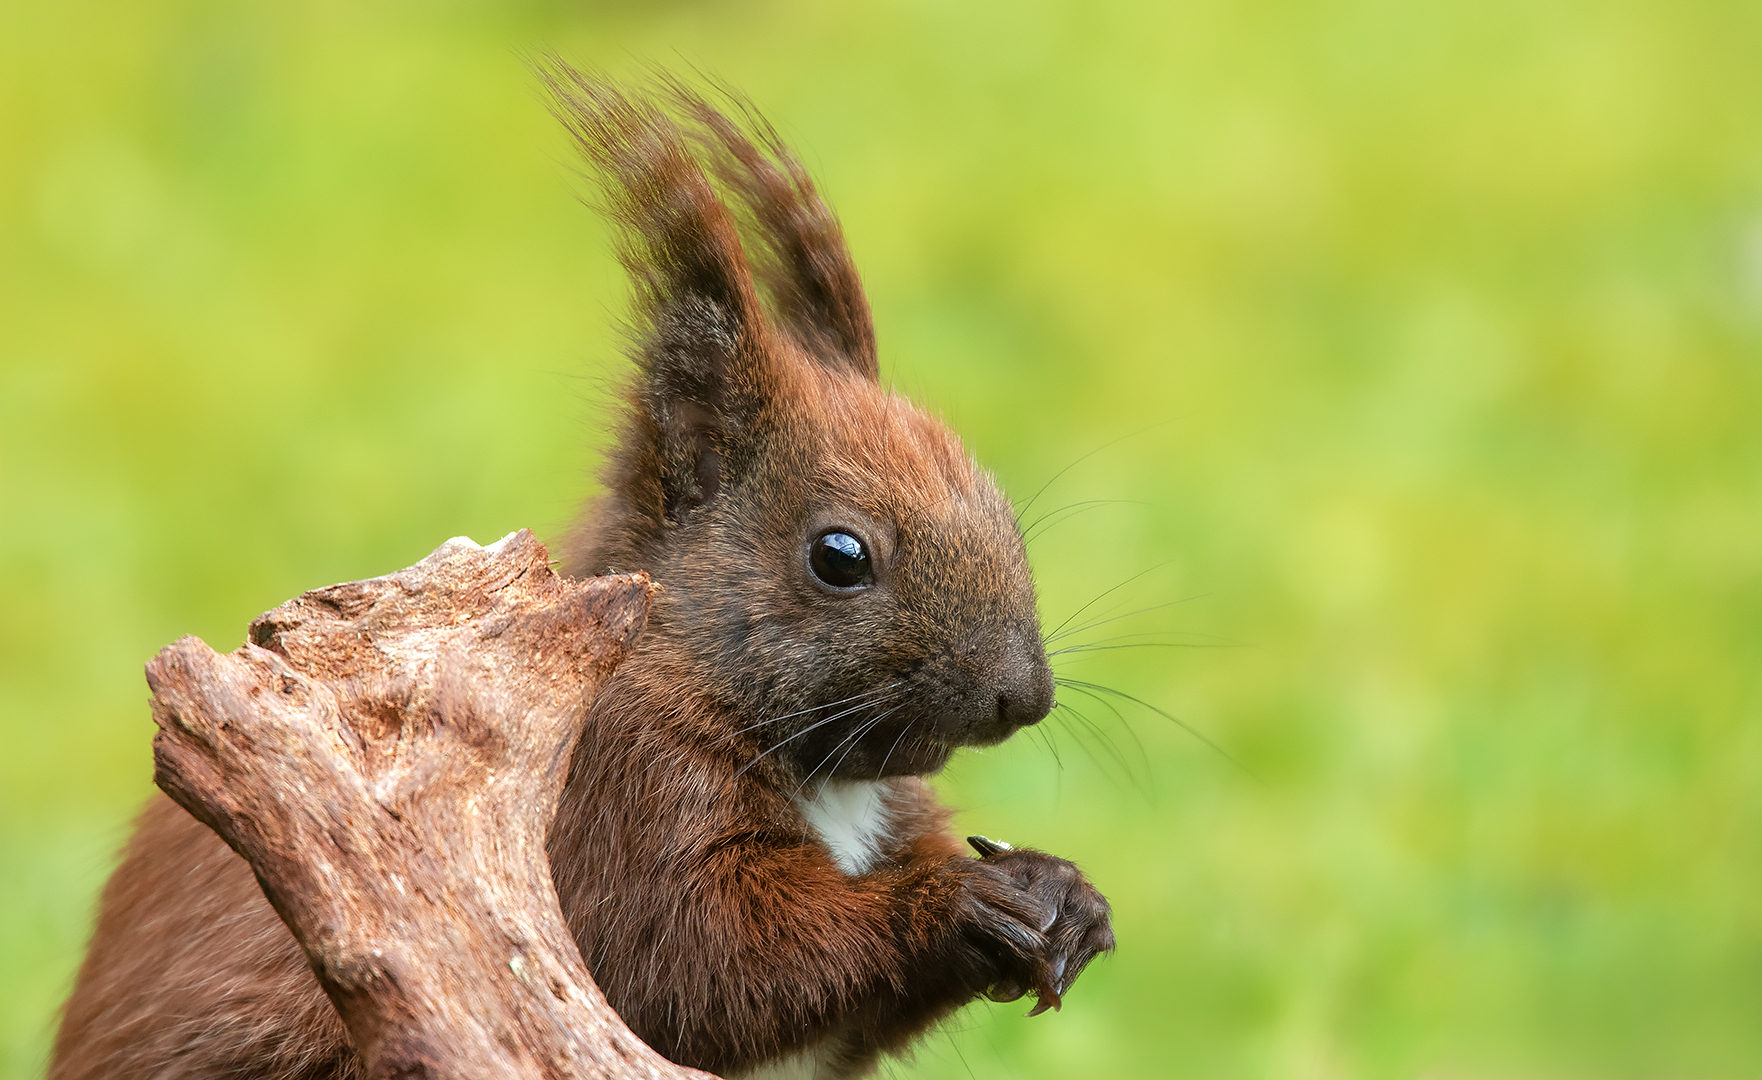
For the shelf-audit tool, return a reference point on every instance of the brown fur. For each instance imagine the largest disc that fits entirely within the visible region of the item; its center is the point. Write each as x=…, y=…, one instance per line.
x=708, y=908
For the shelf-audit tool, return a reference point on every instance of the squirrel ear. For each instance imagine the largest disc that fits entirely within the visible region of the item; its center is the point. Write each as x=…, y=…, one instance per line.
x=701, y=340
x=802, y=260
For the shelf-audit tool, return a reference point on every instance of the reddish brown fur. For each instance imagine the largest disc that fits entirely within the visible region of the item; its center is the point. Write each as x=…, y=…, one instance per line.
x=708, y=908
x=191, y=973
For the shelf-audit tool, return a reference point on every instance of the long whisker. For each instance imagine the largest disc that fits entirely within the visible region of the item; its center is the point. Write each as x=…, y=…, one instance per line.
x=1098, y=647
x=883, y=769
x=1053, y=518
x=1067, y=711
x=1107, y=741
x=1095, y=688
x=815, y=708
x=1193, y=635
x=1116, y=618
x=810, y=727
x=855, y=735
x=849, y=742
x=870, y=726
x=1043, y=735
x=1121, y=717
x=1081, y=460
x=1054, y=635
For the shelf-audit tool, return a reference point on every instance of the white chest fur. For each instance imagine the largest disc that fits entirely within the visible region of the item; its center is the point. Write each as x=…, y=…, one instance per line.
x=814, y=1063
x=853, y=820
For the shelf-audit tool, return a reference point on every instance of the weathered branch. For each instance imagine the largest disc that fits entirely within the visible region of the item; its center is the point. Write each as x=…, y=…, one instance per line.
x=388, y=755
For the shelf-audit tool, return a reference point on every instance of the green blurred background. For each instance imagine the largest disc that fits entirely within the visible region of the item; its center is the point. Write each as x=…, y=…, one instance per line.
x=1435, y=330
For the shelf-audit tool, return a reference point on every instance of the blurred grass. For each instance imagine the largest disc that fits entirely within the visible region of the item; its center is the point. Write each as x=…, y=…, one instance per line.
x=1436, y=330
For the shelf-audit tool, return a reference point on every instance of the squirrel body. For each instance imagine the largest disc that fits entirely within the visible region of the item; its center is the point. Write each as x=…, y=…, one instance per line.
x=755, y=869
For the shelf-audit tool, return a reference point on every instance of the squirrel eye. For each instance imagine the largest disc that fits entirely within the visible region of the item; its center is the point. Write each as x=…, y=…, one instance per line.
x=840, y=560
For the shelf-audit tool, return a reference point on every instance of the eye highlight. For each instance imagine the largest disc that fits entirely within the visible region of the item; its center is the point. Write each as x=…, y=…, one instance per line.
x=840, y=560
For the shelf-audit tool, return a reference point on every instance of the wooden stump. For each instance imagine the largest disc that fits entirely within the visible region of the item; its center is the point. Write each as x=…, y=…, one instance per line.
x=388, y=755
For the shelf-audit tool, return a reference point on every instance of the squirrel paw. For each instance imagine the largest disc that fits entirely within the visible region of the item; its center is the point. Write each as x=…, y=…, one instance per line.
x=1048, y=919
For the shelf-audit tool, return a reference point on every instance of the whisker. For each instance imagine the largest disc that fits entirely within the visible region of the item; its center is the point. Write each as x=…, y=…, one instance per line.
x=810, y=727
x=870, y=726
x=1075, y=509
x=1097, y=647
x=1097, y=688
x=1051, y=744
x=1207, y=639
x=1130, y=434
x=1116, y=618
x=1067, y=713
x=1108, y=743
x=853, y=738
x=1104, y=596
x=1058, y=773
x=859, y=727
x=815, y=708
x=1121, y=717
x=895, y=746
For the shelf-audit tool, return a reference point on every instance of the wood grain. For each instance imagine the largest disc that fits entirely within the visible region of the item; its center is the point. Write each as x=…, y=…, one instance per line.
x=388, y=754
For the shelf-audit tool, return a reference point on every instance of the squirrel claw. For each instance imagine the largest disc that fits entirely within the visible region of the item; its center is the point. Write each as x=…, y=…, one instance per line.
x=1046, y=921
x=1047, y=1001
x=1049, y=992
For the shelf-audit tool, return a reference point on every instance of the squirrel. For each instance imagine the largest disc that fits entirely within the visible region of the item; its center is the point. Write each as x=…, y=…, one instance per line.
x=747, y=852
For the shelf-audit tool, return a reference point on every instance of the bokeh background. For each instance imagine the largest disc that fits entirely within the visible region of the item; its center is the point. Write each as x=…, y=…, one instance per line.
x=1411, y=352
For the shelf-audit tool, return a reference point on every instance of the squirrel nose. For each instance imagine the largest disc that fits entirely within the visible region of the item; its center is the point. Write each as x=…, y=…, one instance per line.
x=1024, y=685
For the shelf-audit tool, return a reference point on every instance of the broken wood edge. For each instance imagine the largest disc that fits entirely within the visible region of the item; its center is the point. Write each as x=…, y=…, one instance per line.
x=387, y=755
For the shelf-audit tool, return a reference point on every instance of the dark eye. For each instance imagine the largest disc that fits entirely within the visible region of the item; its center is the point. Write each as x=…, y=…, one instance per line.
x=841, y=561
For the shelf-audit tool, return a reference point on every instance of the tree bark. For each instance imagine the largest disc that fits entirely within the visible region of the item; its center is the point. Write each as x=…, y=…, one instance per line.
x=388, y=755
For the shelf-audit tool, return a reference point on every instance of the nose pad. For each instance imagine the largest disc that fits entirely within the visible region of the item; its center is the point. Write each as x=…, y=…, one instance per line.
x=1024, y=686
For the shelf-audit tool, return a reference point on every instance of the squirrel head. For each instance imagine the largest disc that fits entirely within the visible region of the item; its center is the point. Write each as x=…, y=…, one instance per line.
x=838, y=578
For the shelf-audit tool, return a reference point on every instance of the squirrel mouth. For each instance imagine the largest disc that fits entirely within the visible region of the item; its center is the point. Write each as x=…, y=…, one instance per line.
x=915, y=750
x=903, y=740
x=915, y=757
x=984, y=731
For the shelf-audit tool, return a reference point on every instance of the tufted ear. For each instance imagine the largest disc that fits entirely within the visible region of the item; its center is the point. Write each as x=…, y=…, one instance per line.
x=798, y=246
x=704, y=351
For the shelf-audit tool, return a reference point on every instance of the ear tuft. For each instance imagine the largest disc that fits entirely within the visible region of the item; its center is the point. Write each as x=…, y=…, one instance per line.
x=701, y=340
x=677, y=239
x=800, y=253
x=712, y=344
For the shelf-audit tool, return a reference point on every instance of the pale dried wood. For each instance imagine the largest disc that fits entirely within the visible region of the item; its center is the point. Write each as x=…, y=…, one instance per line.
x=387, y=755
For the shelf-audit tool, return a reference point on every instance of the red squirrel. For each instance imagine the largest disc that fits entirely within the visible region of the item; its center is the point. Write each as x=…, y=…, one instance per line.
x=747, y=852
